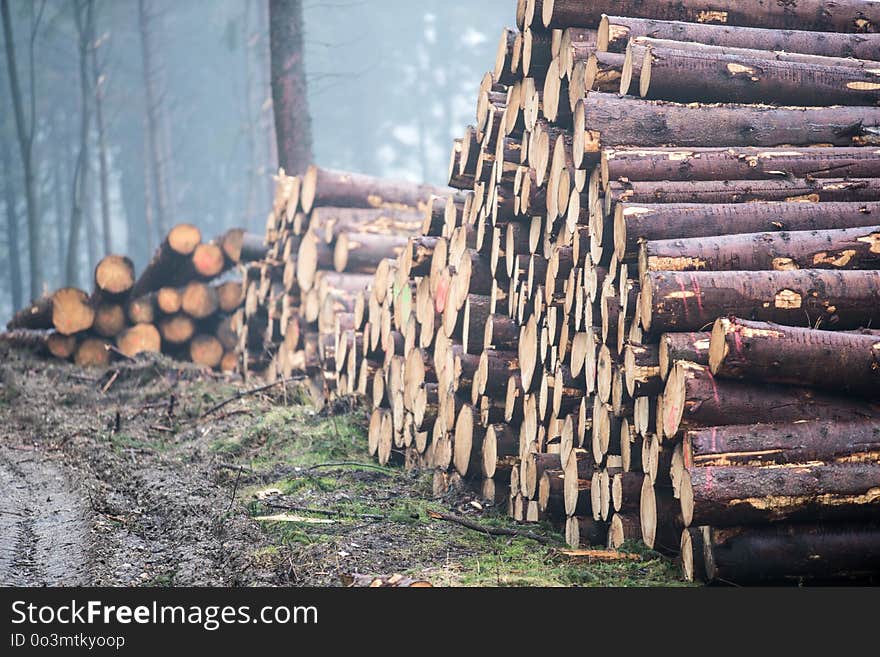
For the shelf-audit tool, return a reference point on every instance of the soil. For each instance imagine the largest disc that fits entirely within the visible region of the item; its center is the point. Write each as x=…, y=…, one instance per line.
x=125, y=477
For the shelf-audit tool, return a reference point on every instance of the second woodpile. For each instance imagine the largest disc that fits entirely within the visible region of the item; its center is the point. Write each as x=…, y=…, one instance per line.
x=650, y=311
x=186, y=303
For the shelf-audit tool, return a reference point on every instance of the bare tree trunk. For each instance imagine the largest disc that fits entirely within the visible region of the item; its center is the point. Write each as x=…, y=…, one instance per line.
x=58, y=190
x=251, y=122
x=25, y=141
x=103, y=172
x=153, y=114
x=83, y=14
x=12, y=244
x=154, y=235
x=267, y=121
x=293, y=124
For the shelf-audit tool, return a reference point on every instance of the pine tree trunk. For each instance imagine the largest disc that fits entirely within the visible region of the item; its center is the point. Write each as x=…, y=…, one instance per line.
x=12, y=244
x=103, y=170
x=293, y=124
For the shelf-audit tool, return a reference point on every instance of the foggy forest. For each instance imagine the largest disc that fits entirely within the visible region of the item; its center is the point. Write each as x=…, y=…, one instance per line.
x=139, y=114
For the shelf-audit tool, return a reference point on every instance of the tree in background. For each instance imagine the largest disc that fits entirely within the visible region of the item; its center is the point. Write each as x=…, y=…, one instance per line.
x=293, y=125
x=84, y=18
x=26, y=134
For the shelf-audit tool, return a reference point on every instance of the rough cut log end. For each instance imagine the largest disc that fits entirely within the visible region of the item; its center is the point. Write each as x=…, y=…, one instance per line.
x=71, y=311
x=139, y=338
x=114, y=275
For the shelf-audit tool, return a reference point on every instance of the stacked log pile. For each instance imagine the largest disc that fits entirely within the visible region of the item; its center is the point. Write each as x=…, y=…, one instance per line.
x=611, y=326
x=312, y=307
x=180, y=305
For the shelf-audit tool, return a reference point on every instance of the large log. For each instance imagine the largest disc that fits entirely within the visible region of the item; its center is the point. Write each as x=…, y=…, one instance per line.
x=322, y=187
x=695, y=398
x=114, y=276
x=68, y=310
x=330, y=222
x=602, y=120
x=743, y=191
x=240, y=246
x=791, y=552
x=783, y=444
x=840, y=249
x=713, y=75
x=362, y=252
x=172, y=263
x=692, y=346
x=638, y=221
x=758, y=351
x=732, y=496
x=679, y=164
x=818, y=15
x=690, y=301
x=615, y=32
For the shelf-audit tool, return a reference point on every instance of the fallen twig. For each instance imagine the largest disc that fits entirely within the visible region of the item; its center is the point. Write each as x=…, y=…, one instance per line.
x=235, y=489
x=245, y=393
x=121, y=354
x=326, y=512
x=110, y=382
x=338, y=464
x=493, y=531
x=599, y=555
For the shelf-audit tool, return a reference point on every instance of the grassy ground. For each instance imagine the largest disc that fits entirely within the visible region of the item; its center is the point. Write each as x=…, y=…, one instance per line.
x=363, y=518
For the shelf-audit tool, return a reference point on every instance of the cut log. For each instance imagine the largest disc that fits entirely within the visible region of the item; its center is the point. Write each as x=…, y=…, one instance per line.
x=623, y=528
x=322, y=187
x=757, y=351
x=602, y=120
x=241, y=247
x=114, y=276
x=142, y=310
x=615, y=32
x=361, y=252
x=206, y=350
x=651, y=222
x=709, y=74
x=694, y=398
x=68, y=310
x=693, y=564
x=583, y=530
x=641, y=367
x=794, y=553
x=690, y=301
x=329, y=222
x=138, y=339
x=818, y=15
x=693, y=347
x=176, y=329
x=172, y=262
x=61, y=346
x=92, y=352
x=208, y=261
x=743, y=191
x=672, y=164
x=837, y=249
x=733, y=496
x=199, y=300
x=844, y=441
x=109, y=320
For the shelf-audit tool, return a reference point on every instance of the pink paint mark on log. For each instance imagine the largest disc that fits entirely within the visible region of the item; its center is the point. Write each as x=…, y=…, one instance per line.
x=737, y=340
x=684, y=297
x=714, y=433
x=699, y=296
x=714, y=387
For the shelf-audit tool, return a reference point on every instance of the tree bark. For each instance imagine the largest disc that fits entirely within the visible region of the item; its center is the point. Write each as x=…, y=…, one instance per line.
x=158, y=190
x=680, y=164
x=744, y=191
x=690, y=301
x=12, y=243
x=792, y=552
x=616, y=31
x=711, y=75
x=695, y=398
x=603, y=120
x=103, y=169
x=758, y=351
x=756, y=445
x=683, y=346
x=85, y=28
x=732, y=496
x=293, y=124
x=818, y=15
x=657, y=221
x=25, y=135
x=172, y=262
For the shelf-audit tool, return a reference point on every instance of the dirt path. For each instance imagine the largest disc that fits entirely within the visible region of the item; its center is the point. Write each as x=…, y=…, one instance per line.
x=84, y=505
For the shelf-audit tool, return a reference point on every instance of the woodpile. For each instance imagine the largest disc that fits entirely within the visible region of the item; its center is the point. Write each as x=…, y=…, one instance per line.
x=312, y=305
x=646, y=314
x=181, y=305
